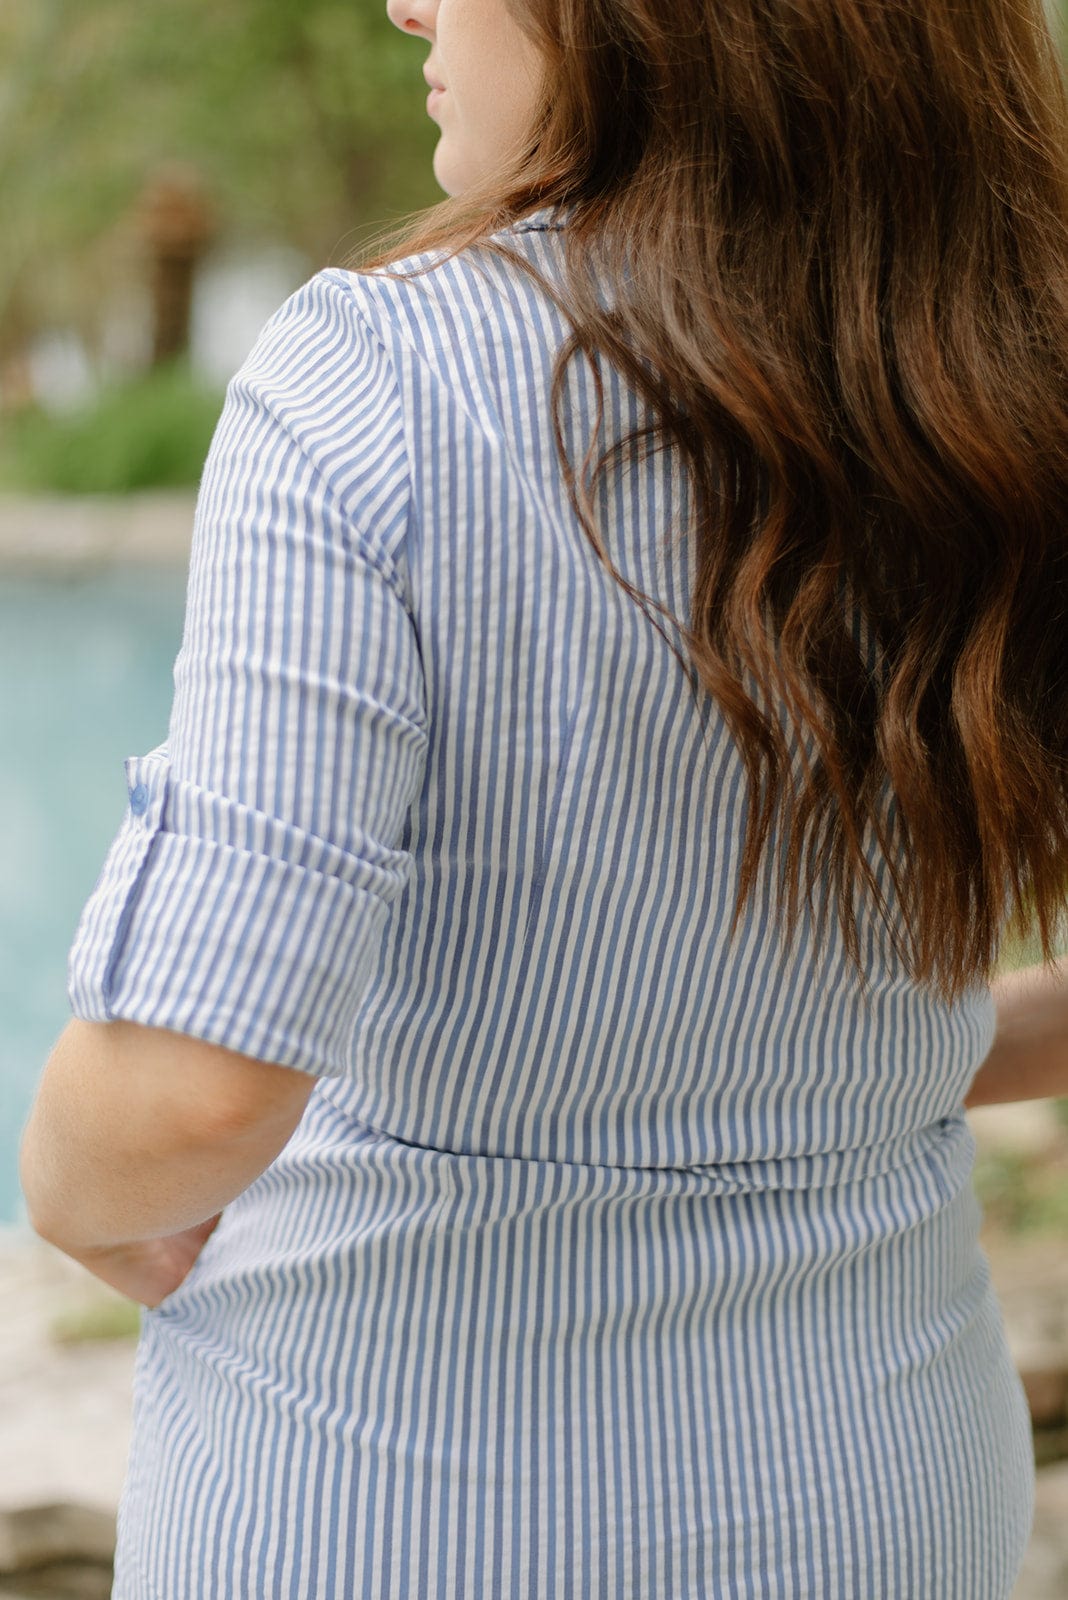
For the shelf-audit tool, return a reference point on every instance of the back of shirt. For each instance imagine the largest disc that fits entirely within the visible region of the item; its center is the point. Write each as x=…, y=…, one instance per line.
x=439, y=818
x=557, y=979
x=610, y=1258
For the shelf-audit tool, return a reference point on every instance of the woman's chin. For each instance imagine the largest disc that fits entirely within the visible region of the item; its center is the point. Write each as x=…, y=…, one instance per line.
x=447, y=179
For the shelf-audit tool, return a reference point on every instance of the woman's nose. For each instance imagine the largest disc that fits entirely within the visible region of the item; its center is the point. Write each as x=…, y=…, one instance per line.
x=412, y=16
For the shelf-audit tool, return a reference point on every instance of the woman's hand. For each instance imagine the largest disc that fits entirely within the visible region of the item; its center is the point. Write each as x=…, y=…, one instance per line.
x=147, y=1270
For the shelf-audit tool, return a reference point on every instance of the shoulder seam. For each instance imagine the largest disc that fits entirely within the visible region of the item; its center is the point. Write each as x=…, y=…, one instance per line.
x=377, y=555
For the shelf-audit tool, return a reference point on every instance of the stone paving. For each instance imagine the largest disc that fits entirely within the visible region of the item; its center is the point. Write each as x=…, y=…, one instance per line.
x=70, y=535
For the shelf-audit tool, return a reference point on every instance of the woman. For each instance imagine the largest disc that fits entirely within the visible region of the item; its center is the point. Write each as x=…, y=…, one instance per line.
x=528, y=1197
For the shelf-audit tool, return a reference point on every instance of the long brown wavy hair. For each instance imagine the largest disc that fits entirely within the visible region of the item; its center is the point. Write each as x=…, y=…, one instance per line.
x=836, y=237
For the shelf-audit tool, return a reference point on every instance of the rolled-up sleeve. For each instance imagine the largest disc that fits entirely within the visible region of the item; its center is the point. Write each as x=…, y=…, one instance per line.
x=244, y=897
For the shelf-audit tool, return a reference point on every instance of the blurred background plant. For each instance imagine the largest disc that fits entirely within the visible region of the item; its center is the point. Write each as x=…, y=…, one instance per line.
x=153, y=159
x=149, y=431
x=1024, y=1195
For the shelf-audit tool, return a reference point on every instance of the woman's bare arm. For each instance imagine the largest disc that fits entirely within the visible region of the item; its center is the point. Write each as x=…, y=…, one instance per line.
x=1029, y=1057
x=139, y=1132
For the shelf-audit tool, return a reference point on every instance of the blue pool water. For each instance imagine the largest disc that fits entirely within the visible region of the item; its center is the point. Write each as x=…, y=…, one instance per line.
x=86, y=668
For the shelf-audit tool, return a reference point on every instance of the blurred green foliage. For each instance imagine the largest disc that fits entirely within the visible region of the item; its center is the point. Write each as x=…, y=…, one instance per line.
x=306, y=119
x=153, y=432
x=1020, y=1194
x=1028, y=952
x=109, y=1318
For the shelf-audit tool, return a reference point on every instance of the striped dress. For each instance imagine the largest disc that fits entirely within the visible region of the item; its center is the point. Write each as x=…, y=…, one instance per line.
x=611, y=1259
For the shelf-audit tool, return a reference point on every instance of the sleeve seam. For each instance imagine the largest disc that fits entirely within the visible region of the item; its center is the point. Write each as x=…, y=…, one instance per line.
x=363, y=313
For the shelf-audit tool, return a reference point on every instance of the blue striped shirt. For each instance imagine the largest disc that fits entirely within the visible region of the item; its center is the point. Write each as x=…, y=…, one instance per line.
x=610, y=1258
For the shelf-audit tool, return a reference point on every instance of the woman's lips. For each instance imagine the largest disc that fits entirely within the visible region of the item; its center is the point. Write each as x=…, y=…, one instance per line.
x=433, y=97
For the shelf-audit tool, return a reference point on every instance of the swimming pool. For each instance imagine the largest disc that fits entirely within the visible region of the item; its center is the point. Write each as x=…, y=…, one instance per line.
x=86, y=665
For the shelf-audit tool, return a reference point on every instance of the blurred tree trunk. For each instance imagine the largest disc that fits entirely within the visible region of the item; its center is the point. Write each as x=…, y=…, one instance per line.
x=178, y=225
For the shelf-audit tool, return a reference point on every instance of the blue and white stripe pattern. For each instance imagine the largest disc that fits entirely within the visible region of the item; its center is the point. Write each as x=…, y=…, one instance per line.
x=611, y=1260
